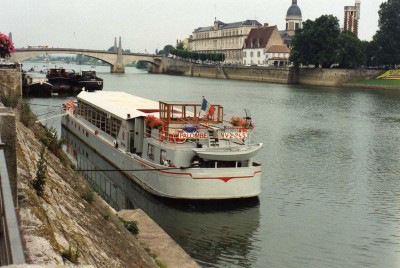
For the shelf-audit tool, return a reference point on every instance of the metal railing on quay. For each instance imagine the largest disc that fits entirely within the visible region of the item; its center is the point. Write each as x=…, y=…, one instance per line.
x=11, y=249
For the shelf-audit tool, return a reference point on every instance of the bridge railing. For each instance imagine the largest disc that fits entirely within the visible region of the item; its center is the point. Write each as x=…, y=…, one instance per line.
x=11, y=250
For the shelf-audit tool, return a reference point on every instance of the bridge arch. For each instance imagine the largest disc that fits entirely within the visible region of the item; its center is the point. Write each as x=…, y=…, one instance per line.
x=116, y=64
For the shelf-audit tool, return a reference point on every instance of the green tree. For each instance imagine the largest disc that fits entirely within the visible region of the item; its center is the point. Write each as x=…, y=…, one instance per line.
x=387, y=37
x=371, y=49
x=41, y=173
x=180, y=46
x=350, y=51
x=166, y=50
x=50, y=139
x=316, y=42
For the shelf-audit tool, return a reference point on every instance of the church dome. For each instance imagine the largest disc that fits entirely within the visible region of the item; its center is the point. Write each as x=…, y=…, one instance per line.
x=294, y=10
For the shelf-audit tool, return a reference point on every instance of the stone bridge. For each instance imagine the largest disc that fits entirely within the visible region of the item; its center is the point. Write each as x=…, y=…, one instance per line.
x=116, y=59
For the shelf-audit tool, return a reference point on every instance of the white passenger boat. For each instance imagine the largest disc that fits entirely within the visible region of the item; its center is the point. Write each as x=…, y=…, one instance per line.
x=171, y=149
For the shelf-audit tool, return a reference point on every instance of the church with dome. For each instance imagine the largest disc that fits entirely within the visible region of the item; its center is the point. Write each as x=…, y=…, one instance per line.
x=293, y=18
x=294, y=21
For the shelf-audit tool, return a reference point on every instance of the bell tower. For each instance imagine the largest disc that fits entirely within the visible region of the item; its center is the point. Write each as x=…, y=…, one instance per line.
x=294, y=18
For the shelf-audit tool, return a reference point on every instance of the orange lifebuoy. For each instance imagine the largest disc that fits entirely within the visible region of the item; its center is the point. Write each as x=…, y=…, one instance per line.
x=177, y=139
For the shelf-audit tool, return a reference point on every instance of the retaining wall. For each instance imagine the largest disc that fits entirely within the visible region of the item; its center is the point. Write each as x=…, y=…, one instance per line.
x=11, y=79
x=304, y=76
x=333, y=77
x=178, y=67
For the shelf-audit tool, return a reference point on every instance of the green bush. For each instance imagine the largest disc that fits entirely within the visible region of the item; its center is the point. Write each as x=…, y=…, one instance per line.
x=51, y=141
x=9, y=98
x=131, y=226
x=160, y=264
x=72, y=256
x=41, y=173
x=27, y=118
x=88, y=194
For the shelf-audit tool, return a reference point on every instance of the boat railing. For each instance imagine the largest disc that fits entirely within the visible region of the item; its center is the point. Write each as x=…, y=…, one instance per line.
x=204, y=134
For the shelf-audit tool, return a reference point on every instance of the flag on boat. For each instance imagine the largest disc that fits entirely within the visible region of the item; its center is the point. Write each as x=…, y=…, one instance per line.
x=207, y=108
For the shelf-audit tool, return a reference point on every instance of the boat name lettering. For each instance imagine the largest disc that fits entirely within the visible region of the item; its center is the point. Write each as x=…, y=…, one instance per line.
x=232, y=135
x=192, y=135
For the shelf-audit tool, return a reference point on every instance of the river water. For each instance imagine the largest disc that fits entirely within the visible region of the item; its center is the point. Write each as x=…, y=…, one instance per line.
x=331, y=175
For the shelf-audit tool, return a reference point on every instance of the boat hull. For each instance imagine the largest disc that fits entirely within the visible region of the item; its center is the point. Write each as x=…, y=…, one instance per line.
x=188, y=183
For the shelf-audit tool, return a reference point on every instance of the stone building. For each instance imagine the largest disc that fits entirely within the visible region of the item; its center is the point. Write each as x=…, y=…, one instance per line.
x=226, y=38
x=351, y=17
x=264, y=46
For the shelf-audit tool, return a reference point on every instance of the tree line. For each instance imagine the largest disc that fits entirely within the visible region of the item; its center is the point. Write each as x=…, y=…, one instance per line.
x=321, y=43
x=181, y=52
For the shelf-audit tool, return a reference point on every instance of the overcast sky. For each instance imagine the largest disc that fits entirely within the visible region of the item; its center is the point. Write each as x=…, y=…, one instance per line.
x=150, y=24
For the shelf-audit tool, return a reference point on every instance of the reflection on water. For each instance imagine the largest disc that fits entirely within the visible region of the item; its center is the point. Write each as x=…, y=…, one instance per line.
x=208, y=231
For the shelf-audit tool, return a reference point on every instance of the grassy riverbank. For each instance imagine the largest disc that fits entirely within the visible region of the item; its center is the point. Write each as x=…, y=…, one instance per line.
x=375, y=84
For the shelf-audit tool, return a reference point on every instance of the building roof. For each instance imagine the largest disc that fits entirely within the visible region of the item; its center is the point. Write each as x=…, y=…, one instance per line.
x=259, y=37
x=222, y=25
x=294, y=10
x=278, y=49
x=121, y=104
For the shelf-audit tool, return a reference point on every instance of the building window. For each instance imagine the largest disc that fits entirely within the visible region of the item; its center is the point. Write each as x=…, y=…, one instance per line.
x=258, y=54
x=251, y=54
x=244, y=54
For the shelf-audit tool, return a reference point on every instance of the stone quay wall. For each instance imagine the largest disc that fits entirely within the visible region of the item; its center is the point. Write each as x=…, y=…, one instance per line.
x=179, y=67
x=332, y=77
x=11, y=79
x=303, y=76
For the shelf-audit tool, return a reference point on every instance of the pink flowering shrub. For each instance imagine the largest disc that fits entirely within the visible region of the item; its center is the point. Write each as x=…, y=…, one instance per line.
x=238, y=121
x=153, y=122
x=6, y=46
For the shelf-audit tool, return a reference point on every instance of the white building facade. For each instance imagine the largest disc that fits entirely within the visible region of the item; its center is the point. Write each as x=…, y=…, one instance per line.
x=226, y=38
x=265, y=47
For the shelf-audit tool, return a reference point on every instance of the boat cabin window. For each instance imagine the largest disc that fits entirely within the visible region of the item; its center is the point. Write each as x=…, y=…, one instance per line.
x=163, y=158
x=150, y=151
x=106, y=122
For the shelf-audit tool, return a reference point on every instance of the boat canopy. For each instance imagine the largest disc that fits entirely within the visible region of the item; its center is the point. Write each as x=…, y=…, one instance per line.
x=120, y=104
x=184, y=112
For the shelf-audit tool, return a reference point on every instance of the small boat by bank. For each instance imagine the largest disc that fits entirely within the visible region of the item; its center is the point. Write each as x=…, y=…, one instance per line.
x=69, y=82
x=61, y=79
x=87, y=80
x=171, y=149
x=36, y=84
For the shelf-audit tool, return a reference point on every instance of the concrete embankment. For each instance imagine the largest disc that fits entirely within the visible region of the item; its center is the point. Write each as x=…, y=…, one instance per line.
x=333, y=77
x=69, y=222
x=159, y=243
x=302, y=76
x=11, y=80
x=260, y=74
